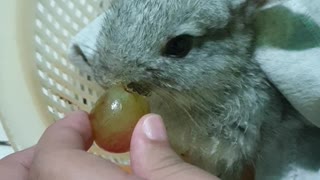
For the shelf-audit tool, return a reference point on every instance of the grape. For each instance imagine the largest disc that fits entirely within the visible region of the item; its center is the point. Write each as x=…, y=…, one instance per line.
x=115, y=116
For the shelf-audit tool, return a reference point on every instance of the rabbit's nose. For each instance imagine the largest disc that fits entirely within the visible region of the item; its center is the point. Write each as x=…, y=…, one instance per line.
x=139, y=88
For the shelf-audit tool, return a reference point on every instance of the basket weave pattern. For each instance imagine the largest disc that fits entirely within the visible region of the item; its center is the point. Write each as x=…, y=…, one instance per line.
x=64, y=87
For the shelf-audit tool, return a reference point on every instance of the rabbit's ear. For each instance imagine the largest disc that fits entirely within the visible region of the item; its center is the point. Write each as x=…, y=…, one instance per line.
x=83, y=48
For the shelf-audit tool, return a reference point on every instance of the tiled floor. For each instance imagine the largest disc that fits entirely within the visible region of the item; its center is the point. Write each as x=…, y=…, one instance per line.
x=4, y=150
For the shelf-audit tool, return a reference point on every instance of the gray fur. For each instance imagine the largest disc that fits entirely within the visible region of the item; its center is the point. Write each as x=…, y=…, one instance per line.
x=218, y=106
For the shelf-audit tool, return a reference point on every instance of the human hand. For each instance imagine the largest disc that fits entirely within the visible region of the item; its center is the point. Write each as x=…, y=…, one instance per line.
x=61, y=154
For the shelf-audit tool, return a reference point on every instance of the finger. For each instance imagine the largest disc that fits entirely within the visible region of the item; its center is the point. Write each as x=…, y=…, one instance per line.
x=60, y=153
x=16, y=166
x=73, y=132
x=152, y=157
x=75, y=165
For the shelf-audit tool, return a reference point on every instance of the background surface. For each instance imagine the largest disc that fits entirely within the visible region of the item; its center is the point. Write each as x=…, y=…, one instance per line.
x=4, y=150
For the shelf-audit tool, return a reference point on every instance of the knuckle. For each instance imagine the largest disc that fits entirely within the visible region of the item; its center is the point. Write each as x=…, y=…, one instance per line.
x=166, y=167
x=44, y=165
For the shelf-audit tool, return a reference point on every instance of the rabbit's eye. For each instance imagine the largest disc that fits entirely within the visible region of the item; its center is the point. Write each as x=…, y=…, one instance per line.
x=179, y=46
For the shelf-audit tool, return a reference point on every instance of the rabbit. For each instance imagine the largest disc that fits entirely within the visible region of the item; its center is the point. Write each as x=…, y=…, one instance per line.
x=195, y=61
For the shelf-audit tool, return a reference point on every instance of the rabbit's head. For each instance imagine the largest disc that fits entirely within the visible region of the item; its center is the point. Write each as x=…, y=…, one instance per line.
x=195, y=59
x=174, y=45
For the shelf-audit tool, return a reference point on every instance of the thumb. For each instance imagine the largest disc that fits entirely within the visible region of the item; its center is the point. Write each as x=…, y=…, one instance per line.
x=152, y=157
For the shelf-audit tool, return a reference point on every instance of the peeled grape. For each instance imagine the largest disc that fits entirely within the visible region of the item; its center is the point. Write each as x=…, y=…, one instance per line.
x=115, y=116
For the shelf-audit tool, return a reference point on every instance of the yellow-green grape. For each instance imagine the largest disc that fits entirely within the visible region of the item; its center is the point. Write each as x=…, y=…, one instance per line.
x=115, y=116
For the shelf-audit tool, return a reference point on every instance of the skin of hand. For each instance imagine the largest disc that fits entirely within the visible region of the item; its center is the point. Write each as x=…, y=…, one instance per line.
x=61, y=153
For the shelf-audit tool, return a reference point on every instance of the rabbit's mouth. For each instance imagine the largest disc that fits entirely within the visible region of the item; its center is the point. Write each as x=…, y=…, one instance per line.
x=139, y=88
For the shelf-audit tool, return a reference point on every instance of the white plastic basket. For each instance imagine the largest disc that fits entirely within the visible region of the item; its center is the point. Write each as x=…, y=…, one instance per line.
x=37, y=83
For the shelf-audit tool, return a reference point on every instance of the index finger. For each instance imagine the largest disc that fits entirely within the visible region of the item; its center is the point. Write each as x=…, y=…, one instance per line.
x=17, y=165
x=72, y=132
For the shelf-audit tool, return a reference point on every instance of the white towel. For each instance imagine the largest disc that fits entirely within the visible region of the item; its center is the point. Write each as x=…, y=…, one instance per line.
x=289, y=52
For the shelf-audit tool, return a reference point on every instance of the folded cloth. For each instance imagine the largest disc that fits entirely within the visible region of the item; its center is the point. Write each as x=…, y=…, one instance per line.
x=289, y=52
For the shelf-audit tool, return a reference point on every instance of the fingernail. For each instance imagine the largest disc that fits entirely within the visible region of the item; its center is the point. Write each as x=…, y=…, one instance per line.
x=154, y=129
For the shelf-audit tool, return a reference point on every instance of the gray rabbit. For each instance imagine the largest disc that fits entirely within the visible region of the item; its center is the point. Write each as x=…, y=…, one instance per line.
x=195, y=61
